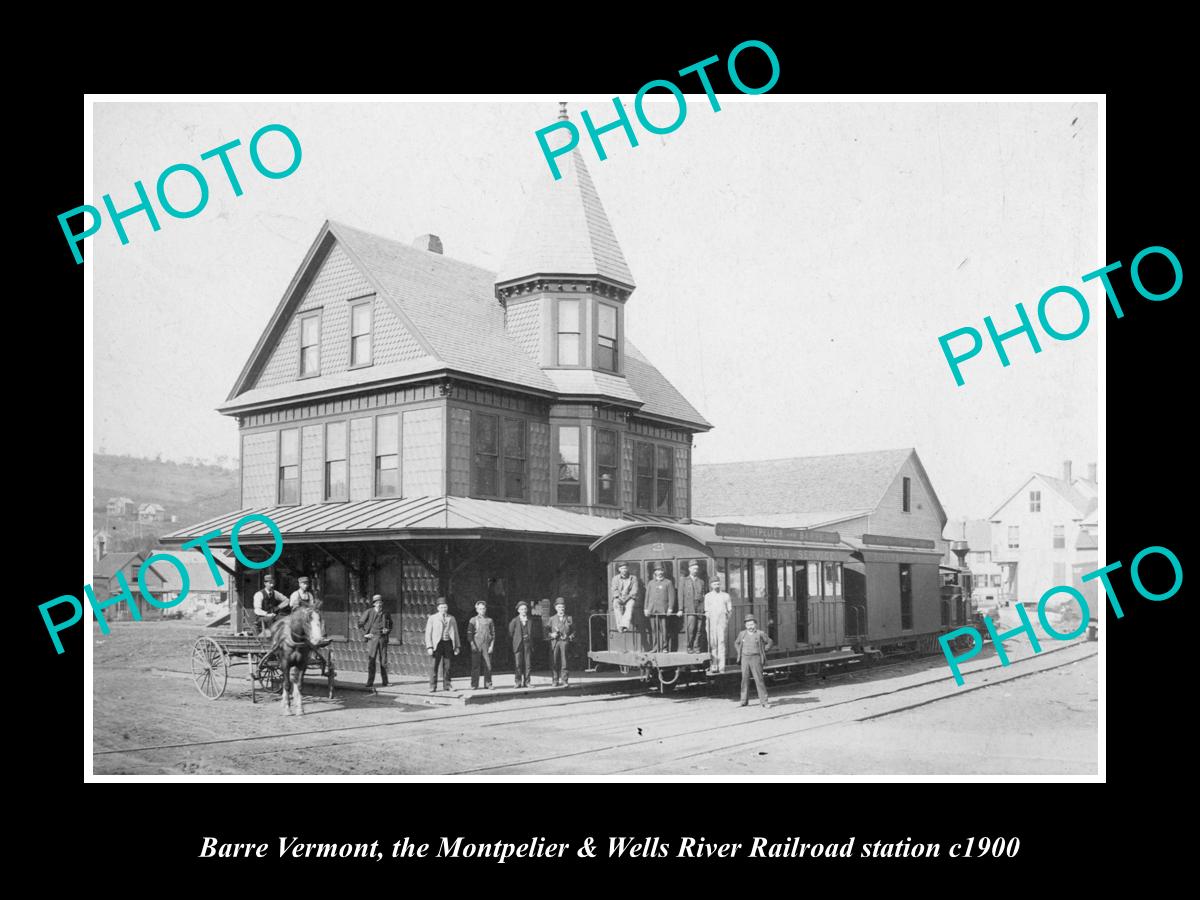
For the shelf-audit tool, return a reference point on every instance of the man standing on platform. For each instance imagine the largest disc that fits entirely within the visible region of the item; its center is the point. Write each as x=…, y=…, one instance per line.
x=752, y=646
x=691, y=599
x=481, y=637
x=375, y=625
x=659, y=605
x=718, y=606
x=441, y=642
x=562, y=632
x=624, y=591
x=520, y=630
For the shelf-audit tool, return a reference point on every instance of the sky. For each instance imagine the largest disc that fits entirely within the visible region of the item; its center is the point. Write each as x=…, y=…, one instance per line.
x=795, y=263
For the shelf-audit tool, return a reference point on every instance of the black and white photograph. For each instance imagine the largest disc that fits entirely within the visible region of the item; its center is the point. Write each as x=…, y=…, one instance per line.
x=513, y=437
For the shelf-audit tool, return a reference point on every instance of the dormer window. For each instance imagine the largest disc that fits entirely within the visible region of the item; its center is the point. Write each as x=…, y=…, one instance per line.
x=606, y=338
x=570, y=329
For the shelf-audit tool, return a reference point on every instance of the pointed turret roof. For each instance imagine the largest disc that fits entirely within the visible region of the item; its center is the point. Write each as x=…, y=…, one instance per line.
x=565, y=231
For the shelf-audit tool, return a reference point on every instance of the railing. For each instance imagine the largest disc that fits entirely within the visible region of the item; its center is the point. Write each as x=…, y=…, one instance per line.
x=640, y=638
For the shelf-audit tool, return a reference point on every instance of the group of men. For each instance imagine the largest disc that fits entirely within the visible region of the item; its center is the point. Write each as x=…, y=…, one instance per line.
x=706, y=616
x=442, y=642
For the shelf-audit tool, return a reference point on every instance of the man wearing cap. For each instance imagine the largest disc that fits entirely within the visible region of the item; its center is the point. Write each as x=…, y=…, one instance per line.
x=375, y=625
x=520, y=630
x=718, y=606
x=441, y=642
x=302, y=596
x=659, y=604
x=752, y=646
x=691, y=599
x=561, y=631
x=481, y=638
x=624, y=590
x=268, y=603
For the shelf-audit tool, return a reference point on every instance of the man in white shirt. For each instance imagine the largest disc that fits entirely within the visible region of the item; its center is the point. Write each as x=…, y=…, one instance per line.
x=718, y=606
x=268, y=603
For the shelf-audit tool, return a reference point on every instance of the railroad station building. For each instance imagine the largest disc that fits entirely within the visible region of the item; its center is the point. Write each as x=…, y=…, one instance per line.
x=419, y=427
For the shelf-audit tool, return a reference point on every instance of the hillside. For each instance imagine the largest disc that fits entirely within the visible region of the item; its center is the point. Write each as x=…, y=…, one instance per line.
x=193, y=492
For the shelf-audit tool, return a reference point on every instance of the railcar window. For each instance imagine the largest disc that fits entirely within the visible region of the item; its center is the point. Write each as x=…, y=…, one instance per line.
x=906, y=616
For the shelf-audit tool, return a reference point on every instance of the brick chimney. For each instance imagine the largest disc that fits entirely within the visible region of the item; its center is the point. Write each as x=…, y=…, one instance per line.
x=1067, y=471
x=430, y=242
x=1092, y=473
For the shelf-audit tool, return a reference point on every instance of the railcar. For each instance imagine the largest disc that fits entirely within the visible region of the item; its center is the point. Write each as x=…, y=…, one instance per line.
x=824, y=600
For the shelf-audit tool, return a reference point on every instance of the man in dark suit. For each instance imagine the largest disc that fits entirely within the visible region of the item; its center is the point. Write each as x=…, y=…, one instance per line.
x=375, y=625
x=561, y=632
x=481, y=638
x=658, y=605
x=691, y=598
x=520, y=630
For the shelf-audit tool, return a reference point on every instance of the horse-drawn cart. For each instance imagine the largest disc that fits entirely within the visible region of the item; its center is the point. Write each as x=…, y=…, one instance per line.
x=213, y=655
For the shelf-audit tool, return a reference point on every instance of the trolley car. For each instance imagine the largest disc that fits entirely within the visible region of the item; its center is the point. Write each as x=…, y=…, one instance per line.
x=824, y=600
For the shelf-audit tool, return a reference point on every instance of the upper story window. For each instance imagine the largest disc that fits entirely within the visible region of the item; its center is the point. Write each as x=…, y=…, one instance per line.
x=1060, y=537
x=570, y=329
x=1035, y=501
x=606, y=467
x=607, y=357
x=310, y=345
x=387, y=456
x=499, y=464
x=336, y=481
x=1014, y=537
x=655, y=479
x=289, y=466
x=361, y=321
x=906, y=500
x=569, y=490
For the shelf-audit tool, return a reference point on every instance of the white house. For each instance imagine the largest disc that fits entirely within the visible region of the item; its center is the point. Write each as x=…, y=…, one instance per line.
x=1036, y=536
x=120, y=506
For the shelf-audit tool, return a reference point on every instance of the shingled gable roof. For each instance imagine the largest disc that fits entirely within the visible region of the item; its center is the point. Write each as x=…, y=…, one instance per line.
x=841, y=486
x=564, y=230
x=451, y=310
x=1082, y=505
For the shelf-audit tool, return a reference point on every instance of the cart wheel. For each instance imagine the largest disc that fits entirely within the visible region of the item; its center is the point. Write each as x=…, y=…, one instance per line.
x=210, y=667
x=271, y=677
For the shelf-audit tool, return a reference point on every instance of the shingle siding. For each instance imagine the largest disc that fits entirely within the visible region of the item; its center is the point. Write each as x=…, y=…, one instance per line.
x=312, y=463
x=260, y=455
x=423, y=437
x=361, y=464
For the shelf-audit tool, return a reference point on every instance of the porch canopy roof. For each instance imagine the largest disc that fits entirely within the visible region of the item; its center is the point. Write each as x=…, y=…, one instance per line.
x=741, y=540
x=457, y=518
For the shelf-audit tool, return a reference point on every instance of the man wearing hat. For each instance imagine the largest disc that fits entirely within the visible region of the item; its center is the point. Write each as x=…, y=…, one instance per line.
x=269, y=603
x=520, y=630
x=659, y=604
x=481, y=637
x=441, y=642
x=718, y=606
x=691, y=599
x=752, y=646
x=375, y=625
x=562, y=632
x=302, y=596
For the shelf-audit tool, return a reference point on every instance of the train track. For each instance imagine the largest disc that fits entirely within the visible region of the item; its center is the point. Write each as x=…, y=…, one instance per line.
x=570, y=709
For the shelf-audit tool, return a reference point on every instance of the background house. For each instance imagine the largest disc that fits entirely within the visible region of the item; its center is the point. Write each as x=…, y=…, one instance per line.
x=1036, y=535
x=151, y=512
x=120, y=506
x=205, y=598
x=105, y=584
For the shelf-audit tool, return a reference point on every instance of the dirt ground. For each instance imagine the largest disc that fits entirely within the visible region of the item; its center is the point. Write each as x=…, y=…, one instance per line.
x=1036, y=716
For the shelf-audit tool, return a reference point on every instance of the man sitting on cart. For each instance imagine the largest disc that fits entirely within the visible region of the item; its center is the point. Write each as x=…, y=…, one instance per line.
x=268, y=604
x=302, y=598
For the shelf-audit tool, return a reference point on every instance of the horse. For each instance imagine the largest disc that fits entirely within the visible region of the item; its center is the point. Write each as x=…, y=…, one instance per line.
x=297, y=636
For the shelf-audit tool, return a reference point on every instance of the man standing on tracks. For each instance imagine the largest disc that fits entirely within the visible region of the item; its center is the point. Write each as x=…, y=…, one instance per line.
x=267, y=603
x=520, y=630
x=481, y=638
x=441, y=642
x=659, y=606
x=752, y=646
x=624, y=591
x=375, y=625
x=718, y=606
x=562, y=632
x=691, y=599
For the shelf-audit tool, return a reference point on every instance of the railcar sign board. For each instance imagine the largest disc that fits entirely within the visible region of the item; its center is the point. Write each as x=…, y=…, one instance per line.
x=764, y=533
